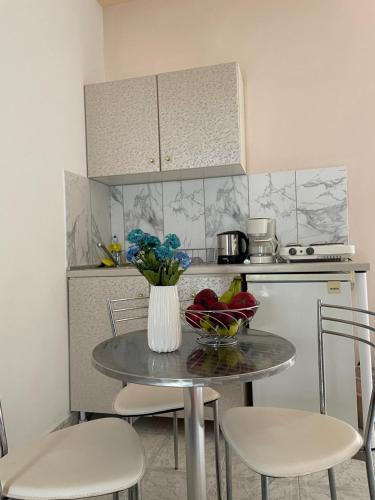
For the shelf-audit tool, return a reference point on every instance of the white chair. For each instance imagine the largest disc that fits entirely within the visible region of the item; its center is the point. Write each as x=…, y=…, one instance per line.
x=139, y=400
x=279, y=442
x=94, y=458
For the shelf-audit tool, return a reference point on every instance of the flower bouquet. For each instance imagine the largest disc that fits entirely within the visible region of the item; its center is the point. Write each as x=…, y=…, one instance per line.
x=162, y=265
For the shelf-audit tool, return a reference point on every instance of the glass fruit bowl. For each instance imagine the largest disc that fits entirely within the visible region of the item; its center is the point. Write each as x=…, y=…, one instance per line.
x=217, y=327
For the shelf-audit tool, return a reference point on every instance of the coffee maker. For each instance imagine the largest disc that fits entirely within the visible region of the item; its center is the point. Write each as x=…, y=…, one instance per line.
x=263, y=244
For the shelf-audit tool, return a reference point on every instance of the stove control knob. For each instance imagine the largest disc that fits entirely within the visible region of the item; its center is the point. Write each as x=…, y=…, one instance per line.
x=310, y=250
x=292, y=251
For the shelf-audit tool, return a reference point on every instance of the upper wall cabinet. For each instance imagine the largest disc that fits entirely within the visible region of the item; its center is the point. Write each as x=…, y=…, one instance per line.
x=122, y=127
x=200, y=117
x=196, y=115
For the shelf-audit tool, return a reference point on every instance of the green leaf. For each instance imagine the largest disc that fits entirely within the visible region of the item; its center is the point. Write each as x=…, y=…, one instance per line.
x=175, y=277
x=174, y=266
x=152, y=261
x=151, y=276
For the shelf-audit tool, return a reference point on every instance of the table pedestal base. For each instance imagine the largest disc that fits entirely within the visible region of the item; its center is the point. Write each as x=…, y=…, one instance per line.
x=194, y=439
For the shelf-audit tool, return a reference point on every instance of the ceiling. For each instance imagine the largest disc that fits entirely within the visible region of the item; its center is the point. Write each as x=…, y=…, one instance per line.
x=107, y=3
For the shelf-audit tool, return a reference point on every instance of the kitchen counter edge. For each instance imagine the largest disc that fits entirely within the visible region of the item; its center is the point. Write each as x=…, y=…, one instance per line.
x=215, y=269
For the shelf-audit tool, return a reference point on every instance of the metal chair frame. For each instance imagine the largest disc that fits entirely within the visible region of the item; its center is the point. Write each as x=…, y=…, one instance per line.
x=368, y=431
x=134, y=492
x=134, y=308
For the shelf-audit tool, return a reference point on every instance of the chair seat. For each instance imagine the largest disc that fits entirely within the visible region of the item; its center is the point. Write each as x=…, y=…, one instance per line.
x=90, y=459
x=281, y=442
x=136, y=399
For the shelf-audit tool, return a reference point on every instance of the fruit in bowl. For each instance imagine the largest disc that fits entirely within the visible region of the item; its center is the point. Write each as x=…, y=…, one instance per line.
x=206, y=298
x=219, y=319
x=243, y=300
x=194, y=318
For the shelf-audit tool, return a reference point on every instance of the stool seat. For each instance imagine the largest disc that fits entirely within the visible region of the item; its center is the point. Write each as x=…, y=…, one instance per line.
x=137, y=399
x=95, y=458
x=279, y=442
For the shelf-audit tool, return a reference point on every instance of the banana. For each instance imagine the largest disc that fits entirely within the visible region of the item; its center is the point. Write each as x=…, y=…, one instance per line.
x=234, y=288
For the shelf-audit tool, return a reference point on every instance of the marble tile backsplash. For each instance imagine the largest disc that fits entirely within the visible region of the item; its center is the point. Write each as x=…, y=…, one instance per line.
x=88, y=219
x=308, y=205
x=322, y=205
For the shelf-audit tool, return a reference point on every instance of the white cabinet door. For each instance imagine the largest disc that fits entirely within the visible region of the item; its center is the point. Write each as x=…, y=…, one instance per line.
x=122, y=127
x=201, y=118
x=290, y=310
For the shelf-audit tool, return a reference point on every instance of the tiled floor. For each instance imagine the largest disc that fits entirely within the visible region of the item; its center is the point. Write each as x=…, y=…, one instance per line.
x=162, y=482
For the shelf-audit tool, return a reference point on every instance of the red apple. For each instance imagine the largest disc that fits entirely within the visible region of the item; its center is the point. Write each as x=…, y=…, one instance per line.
x=243, y=300
x=194, y=319
x=223, y=318
x=205, y=298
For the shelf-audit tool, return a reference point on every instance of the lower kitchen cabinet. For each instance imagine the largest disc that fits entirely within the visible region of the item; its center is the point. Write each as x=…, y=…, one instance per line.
x=89, y=324
x=90, y=390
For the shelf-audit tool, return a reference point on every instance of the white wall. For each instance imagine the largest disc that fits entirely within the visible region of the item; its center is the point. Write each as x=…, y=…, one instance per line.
x=48, y=50
x=309, y=70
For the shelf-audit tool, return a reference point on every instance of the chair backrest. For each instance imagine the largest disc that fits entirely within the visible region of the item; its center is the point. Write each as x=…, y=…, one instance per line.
x=124, y=311
x=3, y=436
x=323, y=318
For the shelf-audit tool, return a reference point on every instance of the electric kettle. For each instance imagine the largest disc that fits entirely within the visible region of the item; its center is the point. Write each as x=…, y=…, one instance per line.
x=233, y=247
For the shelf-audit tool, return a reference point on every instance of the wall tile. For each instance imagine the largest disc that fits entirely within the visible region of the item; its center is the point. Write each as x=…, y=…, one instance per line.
x=274, y=195
x=143, y=208
x=117, y=214
x=78, y=219
x=322, y=207
x=226, y=206
x=183, y=206
x=100, y=218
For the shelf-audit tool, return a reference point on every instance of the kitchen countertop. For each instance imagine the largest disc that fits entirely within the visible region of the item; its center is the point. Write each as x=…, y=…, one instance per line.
x=215, y=269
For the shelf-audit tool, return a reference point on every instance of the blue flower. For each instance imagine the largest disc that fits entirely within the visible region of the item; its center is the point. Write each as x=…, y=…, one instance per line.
x=151, y=241
x=136, y=236
x=163, y=252
x=132, y=253
x=183, y=259
x=172, y=240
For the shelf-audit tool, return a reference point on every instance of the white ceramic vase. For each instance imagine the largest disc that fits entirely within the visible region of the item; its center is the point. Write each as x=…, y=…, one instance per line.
x=164, y=323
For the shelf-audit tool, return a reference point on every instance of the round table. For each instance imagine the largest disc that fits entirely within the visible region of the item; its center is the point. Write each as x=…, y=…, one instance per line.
x=257, y=354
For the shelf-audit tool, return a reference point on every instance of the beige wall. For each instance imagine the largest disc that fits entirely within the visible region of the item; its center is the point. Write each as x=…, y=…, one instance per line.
x=309, y=70
x=48, y=50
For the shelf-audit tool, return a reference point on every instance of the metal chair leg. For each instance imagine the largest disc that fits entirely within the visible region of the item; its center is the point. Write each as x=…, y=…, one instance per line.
x=228, y=471
x=175, y=439
x=265, y=488
x=134, y=493
x=370, y=473
x=215, y=407
x=332, y=484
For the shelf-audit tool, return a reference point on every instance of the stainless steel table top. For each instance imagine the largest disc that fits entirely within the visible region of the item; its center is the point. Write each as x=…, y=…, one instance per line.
x=258, y=354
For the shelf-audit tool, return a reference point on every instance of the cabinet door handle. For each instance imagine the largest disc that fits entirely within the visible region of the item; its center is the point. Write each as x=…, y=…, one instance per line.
x=152, y=160
x=168, y=158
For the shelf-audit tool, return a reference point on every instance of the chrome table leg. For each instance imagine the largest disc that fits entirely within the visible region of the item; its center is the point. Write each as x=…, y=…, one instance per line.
x=194, y=440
